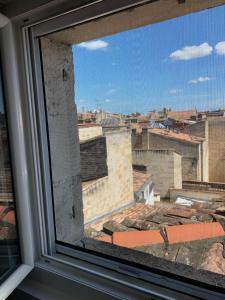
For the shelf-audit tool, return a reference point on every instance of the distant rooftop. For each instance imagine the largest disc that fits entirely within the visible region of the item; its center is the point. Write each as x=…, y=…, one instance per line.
x=181, y=115
x=177, y=135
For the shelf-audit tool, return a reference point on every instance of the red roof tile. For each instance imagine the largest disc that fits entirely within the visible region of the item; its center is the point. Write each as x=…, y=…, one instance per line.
x=181, y=115
x=170, y=134
x=181, y=212
x=139, y=179
x=104, y=238
x=192, y=232
x=131, y=239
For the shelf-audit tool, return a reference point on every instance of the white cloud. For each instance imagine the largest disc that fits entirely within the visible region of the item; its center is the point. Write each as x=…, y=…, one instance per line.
x=200, y=79
x=94, y=45
x=220, y=48
x=107, y=101
x=111, y=91
x=190, y=52
x=175, y=91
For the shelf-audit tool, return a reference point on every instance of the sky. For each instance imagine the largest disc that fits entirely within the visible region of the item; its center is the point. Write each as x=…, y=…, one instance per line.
x=178, y=64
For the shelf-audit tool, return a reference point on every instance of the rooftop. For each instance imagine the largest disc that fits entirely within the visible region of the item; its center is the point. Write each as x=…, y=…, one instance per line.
x=181, y=115
x=192, y=236
x=139, y=179
x=170, y=134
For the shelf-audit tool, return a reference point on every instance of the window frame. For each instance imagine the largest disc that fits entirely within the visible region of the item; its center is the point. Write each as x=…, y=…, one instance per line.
x=19, y=161
x=46, y=245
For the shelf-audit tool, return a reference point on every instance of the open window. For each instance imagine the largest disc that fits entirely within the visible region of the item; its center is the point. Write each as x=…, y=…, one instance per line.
x=13, y=264
x=130, y=111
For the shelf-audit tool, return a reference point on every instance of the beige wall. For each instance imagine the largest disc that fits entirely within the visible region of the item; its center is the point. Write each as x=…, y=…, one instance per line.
x=216, y=149
x=213, y=149
x=63, y=138
x=191, y=160
x=165, y=167
x=115, y=190
x=87, y=132
x=200, y=129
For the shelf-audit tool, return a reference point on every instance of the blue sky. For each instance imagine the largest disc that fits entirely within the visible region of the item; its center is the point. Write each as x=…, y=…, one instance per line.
x=178, y=63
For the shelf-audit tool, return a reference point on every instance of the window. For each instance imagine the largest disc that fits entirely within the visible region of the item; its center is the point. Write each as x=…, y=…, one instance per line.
x=131, y=127
x=9, y=244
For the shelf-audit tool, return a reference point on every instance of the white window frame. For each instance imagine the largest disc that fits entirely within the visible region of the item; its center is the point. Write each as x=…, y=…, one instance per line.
x=34, y=153
x=19, y=161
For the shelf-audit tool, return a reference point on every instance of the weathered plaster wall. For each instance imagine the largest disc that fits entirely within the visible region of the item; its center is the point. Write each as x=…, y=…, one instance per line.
x=115, y=190
x=216, y=140
x=165, y=167
x=200, y=129
x=87, y=132
x=213, y=149
x=190, y=154
x=64, y=141
x=197, y=129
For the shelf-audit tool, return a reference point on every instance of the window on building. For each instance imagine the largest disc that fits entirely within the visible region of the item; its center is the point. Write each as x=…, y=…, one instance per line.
x=135, y=125
x=9, y=244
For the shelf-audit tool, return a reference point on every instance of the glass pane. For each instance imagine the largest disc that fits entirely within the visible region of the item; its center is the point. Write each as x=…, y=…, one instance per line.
x=9, y=244
x=136, y=122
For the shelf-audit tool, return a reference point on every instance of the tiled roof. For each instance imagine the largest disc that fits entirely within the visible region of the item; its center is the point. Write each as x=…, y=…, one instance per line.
x=193, y=232
x=139, y=179
x=181, y=115
x=170, y=134
x=132, y=239
x=189, y=236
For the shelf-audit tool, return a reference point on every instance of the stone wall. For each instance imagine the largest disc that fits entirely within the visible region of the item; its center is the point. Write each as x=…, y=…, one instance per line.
x=93, y=155
x=216, y=140
x=116, y=190
x=190, y=154
x=165, y=167
x=63, y=137
x=136, y=139
x=197, y=129
x=200, y=129
x=213, y=149
x=89, y=131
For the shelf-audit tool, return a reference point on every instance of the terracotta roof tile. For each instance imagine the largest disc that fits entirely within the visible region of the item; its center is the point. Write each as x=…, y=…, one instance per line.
x=131, y=239
x=139, y=179
x=137, y=211
x=181, y=115
x=181, y=212
x=192, y=232
x=170, y=134
x=105, y=238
